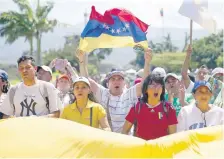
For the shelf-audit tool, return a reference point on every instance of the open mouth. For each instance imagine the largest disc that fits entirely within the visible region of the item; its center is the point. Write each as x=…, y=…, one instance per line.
x=155, y=94
x=117, y=87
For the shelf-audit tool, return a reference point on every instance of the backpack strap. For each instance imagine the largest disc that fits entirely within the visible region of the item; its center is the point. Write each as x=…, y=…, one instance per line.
x=12, y=92
x=136, y=113
x=91, y=116
x=44, y=94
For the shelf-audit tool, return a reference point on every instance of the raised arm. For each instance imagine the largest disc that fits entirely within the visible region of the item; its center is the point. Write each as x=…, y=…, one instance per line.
x=83, y=62
x=148, y=58
x=72, y=72
x=185, y=67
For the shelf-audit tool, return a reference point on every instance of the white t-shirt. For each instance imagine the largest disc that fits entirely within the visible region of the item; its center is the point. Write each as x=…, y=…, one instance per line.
x=191, y=117
x=29, y=100
x=119, y=106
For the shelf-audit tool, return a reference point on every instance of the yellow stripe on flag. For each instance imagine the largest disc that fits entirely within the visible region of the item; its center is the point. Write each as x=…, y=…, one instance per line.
x=88, y=44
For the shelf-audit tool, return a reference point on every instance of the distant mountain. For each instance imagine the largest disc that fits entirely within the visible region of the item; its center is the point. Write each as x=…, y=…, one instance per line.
x=10, y=53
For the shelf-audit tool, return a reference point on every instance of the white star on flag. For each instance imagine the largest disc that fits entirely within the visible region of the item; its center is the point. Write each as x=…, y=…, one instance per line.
x=112, y=31
x=104, y=25
x=118, y=31
x=107, y=27
x=124, y=29
x=127, y=25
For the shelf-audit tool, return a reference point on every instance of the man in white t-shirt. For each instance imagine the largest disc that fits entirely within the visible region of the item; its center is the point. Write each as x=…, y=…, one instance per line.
x=116, y=99
x=32, y=96
x=201, y=113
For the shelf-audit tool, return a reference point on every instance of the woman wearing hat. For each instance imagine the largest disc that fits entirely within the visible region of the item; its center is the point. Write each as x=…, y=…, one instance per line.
x=200, y=114
x=85, y=110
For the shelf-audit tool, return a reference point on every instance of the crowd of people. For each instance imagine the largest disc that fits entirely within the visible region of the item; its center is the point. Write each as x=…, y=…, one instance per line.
x=156, y=105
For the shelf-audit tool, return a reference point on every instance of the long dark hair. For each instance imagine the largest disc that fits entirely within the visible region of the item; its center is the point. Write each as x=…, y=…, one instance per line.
x=147, y=82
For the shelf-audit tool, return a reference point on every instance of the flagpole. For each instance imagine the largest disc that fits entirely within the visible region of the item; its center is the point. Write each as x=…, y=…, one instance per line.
x=191, y=28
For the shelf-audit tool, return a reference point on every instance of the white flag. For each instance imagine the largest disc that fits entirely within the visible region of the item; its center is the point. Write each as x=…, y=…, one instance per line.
x=197, y=10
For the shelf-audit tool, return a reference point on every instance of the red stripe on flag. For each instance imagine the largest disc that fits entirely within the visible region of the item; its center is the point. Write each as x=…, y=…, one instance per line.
x=124, y=15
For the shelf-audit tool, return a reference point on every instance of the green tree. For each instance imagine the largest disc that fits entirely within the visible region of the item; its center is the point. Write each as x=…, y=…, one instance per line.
x=18, y=24
x=209, y=50
x=157, y=48
x=186, y=40
x=42, y=25
x=167, y=44
x=27, y=23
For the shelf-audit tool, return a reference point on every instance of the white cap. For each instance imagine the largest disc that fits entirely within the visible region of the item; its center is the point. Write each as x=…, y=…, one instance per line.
x=81, y=79
x=45, y=68
x=171, y=75
x=140, y=73
x=159, y=72
x=217, y=70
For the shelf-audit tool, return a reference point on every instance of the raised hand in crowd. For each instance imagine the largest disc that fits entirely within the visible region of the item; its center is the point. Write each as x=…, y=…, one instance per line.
x=185, y=67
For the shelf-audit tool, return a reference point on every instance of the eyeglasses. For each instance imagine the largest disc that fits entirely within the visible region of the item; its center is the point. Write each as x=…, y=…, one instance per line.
x=203, y=117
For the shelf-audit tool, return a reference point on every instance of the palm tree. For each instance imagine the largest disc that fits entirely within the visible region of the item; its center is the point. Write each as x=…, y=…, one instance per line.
x=15, y=25
x=43, y=25
x=28, y=24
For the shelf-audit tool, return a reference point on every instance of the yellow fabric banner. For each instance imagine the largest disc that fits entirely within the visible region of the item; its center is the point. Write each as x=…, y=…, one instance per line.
x=36, y=137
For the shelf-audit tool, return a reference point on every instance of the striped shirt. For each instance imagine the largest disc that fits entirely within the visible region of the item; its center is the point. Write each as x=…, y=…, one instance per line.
x=119, y=106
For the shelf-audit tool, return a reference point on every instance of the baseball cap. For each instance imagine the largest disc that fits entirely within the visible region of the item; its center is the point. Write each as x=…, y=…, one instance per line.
x=81, y=79
x=140, y=73
x=3, y=75
x=116, y=72
x=171, y=75
x=217, y=70
x=45, y=68
x=64, y=76
x=159, y=72
x=201, y=83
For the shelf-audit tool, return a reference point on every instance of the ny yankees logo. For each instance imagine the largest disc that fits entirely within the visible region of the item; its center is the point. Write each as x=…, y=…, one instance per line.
x=29, y=107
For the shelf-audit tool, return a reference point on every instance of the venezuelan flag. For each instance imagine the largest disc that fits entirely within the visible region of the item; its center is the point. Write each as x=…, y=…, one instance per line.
x=116, y=28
